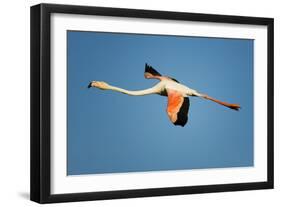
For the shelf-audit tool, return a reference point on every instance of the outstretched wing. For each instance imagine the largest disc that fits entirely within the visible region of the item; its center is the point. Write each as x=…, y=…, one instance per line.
x=177, y=108
x=150, y=72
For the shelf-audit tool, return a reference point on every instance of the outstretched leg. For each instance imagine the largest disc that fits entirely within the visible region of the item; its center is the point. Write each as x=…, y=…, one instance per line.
x=229, y=105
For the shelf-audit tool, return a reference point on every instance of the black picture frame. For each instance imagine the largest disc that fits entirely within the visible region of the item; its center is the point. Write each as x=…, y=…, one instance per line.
x=40, y=184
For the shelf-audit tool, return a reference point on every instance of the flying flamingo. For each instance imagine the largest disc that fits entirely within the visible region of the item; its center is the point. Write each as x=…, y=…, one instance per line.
x=178, y=101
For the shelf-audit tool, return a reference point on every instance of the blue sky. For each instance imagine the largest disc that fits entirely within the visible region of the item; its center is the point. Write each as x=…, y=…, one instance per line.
x=109, y=132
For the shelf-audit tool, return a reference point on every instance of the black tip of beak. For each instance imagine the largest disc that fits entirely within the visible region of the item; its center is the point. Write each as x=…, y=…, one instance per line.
x=90, y=85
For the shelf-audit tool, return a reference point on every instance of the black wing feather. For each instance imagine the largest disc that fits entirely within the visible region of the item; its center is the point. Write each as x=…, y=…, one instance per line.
x=183, y=113
x=174, y=79
x=151, y=70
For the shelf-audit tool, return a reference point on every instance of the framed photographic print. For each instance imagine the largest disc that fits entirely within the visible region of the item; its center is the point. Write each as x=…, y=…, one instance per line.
x=133, y=103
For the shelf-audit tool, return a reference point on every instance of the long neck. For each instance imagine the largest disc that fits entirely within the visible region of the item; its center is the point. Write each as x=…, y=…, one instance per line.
x=148, y=91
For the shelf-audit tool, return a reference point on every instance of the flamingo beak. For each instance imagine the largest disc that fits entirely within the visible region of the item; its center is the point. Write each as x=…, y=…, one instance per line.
x=90, y=85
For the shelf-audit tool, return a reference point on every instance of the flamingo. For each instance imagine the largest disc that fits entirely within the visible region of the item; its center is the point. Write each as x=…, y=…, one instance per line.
x=177, y=93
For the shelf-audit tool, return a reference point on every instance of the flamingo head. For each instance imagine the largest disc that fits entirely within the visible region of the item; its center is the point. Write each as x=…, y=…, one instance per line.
x=99, y=84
